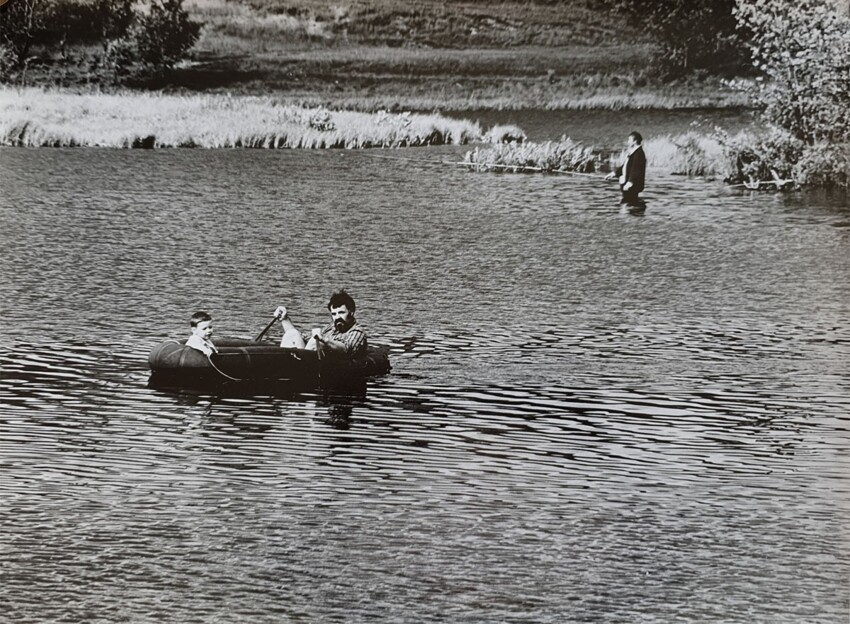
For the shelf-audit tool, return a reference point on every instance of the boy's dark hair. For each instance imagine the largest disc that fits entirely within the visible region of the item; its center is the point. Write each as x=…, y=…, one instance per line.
x=199, y=317
x=341, y=298
x=637, y=137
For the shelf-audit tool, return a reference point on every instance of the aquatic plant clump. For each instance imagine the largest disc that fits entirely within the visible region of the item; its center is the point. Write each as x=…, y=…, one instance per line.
x=36, y=117
x=505, y=134
x=779, y=160
x=691, y=154
x=761, y=161
x=824, y=165
x=549, y=157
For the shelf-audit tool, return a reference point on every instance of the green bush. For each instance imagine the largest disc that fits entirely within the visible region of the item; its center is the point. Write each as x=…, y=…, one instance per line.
x=114, y=18
x=133, y=42
x=119, y=56
x=141, y=45
x=753, y=160
x=47, y=24
x=802, y=48
x=164, y=36
x=824, y=165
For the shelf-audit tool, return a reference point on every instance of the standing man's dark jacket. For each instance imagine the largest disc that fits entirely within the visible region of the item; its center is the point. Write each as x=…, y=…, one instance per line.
x=635, y=171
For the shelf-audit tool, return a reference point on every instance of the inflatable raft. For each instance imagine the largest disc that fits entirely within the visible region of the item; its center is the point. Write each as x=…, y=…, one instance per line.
x=173, y=363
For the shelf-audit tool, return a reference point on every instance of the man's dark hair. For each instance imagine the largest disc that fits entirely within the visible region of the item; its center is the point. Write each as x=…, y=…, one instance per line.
x=637, y=137
x=199, y=317
x=341, y=298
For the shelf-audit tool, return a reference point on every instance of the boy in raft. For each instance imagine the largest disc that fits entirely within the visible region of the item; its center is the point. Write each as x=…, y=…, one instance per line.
x=342, y=336
x=202, y=329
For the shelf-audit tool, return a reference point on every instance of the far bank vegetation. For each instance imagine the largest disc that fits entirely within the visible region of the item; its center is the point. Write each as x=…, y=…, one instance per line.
x=356, y=54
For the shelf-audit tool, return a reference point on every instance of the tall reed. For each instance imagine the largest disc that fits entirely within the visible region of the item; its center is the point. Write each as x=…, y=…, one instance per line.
x=548, y=157
x=689, y=154
x=38, y=117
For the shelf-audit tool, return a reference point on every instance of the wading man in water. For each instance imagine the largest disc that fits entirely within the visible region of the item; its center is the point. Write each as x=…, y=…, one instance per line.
x=632, y=173
x=342, y=336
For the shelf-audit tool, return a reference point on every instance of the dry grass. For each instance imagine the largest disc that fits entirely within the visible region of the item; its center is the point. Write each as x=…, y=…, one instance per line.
x=548, y=157
x=690, y=154
x=37, y=117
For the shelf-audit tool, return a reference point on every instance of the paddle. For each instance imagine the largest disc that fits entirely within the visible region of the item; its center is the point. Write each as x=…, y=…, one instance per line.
x=268, y=327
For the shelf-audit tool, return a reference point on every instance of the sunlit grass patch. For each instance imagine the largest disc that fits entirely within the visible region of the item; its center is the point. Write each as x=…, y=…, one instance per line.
x=36, y=117
x=505, y=134
x=690, y=154
x=548, y=157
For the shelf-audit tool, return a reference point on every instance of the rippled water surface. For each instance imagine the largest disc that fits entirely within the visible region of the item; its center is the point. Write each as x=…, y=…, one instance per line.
x=594, y=415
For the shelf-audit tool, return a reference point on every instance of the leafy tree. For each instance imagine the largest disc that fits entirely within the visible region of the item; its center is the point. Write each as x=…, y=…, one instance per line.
x=163, y=37
x=133, y=42
x=802, y=48
x=115, y=18
x=20, y=23
x=693, y=35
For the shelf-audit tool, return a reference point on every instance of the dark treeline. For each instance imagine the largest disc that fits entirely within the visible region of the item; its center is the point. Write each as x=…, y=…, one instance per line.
x=126, y=41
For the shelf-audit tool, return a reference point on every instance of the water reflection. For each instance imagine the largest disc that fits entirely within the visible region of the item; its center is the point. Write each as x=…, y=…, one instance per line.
x=635, y=208
x=337, y=397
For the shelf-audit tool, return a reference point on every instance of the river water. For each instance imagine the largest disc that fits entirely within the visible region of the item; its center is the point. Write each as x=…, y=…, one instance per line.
x=594, y=415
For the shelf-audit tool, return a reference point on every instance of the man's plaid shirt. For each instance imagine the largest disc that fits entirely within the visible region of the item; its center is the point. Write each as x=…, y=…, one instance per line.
x=354, y=339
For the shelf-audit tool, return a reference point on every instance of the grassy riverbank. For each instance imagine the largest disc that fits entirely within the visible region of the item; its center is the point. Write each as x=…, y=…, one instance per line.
x=38, y=117
x=50, y=118
x=431, y=55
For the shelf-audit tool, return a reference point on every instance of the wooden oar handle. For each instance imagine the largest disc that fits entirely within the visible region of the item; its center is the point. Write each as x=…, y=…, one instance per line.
x=268, y=327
